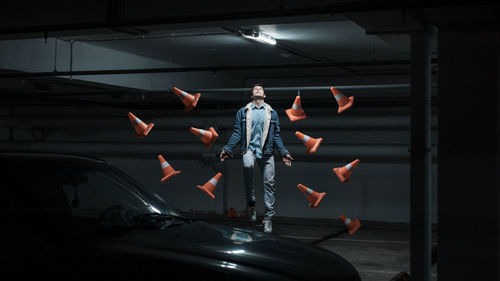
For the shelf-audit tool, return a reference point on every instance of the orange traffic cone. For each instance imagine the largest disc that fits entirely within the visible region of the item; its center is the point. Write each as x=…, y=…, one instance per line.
x=312, y=196
x=141, y=129
x=296, y=113
x=343, y=102
x=209, y=187
x=232, y=213
x=187, y=99
x=352, y=225
x=208, y=137
x=311, y=144
x=344, y=173
x=167, y=170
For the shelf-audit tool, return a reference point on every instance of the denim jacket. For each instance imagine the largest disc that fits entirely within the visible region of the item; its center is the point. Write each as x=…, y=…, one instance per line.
x=242, y=131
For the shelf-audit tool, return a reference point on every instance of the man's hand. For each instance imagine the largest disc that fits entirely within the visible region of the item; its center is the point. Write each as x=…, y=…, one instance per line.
x=288, y=160
x=223, y=155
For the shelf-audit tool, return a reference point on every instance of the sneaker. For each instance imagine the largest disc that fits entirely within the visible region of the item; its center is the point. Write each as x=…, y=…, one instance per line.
x=268, y=225
x=251, y=213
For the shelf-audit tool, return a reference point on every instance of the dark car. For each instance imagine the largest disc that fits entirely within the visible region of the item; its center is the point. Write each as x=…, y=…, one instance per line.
x=74, y=217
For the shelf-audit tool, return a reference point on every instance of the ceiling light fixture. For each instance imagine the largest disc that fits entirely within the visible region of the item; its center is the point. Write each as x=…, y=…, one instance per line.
x=258, y=36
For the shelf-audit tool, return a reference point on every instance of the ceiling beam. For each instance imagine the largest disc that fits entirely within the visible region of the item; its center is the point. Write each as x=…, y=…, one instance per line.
x=206, y=68
x=57, y=18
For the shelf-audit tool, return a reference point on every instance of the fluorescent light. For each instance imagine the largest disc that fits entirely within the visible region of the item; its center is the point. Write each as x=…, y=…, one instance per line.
x=266, y=38
x=259, y=36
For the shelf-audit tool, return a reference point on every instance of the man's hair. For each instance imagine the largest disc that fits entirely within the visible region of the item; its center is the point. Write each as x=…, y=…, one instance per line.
x=255, y=85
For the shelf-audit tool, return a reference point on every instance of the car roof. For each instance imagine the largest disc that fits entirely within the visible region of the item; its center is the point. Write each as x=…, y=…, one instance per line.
x=45, y=155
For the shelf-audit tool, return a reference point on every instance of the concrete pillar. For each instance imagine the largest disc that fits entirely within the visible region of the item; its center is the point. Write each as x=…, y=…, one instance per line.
x=420, y=174
x=468, y=153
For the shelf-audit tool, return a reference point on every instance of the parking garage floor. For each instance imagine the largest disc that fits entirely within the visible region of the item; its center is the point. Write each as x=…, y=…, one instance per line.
x=379, y=250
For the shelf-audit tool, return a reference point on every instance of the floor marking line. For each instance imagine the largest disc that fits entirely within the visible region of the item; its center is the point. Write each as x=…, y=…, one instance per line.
x=348, y=240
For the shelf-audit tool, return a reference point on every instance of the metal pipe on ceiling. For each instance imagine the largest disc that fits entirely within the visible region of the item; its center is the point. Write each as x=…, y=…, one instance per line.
x=310, y=88
x=149, y=37
x=316, y=88
x=204, y=68
x=226, y=90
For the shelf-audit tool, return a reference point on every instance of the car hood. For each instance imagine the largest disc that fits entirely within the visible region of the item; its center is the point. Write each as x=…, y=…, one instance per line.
x=237, y=246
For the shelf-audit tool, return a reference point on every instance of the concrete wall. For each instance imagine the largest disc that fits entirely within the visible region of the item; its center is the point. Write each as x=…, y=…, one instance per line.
x=377, y=134
x=379, y=189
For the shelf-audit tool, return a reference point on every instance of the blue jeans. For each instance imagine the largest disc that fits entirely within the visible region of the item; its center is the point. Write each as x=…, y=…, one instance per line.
x=266, y=164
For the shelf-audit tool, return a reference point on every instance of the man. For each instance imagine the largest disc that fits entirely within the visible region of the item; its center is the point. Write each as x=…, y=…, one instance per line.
x=257, y=127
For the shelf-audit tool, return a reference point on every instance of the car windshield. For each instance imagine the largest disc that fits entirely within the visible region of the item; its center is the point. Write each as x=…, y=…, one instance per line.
x=93, y=196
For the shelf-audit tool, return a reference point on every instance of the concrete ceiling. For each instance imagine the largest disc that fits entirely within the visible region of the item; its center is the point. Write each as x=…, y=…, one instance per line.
x=327, y=41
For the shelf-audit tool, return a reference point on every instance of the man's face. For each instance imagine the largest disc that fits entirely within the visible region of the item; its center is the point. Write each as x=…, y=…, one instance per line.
x=258, y=93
